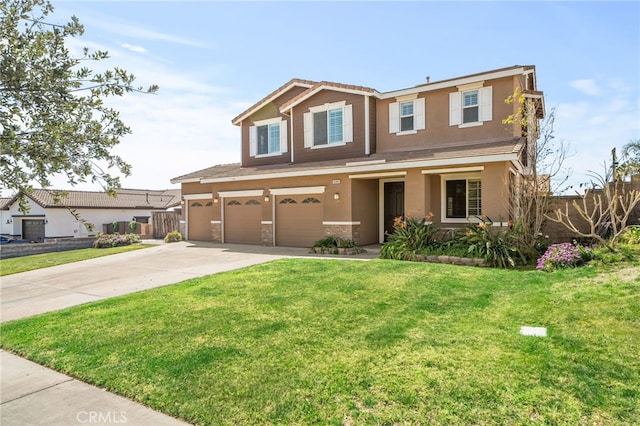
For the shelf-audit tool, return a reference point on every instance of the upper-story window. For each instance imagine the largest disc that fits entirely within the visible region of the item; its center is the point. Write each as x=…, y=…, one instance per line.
x=406, y=116
x=471, y=105
x=328, y=125
x=268, y=137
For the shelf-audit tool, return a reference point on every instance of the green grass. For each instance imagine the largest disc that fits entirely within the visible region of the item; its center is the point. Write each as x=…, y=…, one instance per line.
x=302, y=341
x=38, y=261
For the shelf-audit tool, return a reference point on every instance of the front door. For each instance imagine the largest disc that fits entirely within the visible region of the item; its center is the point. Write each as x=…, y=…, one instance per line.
x=393, y=204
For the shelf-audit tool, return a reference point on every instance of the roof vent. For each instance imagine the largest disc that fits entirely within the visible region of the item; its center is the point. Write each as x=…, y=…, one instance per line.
x=428, y=79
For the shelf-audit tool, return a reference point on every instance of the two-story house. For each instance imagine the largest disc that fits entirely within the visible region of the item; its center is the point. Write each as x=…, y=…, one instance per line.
x=322, y=158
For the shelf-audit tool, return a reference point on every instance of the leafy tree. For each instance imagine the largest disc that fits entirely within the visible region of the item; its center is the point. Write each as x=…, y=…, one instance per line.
x=53, y=119
x=630, y=161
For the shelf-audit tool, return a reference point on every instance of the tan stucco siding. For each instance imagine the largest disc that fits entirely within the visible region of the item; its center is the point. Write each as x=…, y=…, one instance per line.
x=353, y=149
x=358, y=200
x=438, y=133
x=365, y=207
x=271, y=110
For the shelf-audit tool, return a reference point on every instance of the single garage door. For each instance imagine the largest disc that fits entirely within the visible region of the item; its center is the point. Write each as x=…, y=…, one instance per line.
x=200, y=216
x=33, y=230
x=242, y=221
x=298, y=220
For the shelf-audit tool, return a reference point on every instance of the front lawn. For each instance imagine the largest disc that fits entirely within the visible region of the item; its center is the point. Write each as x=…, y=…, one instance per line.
x=44, y=260
x=304, y=341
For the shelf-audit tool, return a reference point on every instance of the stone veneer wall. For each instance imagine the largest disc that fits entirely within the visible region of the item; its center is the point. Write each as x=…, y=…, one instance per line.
x=267, y=234
x=216, y=232
x=348, y=232
x=8, y=251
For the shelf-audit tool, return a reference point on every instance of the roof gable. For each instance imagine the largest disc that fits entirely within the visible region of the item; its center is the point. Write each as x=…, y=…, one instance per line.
x=327, y=85
x=296, y=82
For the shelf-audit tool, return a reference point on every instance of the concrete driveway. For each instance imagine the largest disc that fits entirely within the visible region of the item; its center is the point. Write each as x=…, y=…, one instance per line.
x=50, y=289
x=31, y=394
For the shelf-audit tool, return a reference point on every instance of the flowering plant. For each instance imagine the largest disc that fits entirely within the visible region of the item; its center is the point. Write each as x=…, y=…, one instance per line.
x=564, y=255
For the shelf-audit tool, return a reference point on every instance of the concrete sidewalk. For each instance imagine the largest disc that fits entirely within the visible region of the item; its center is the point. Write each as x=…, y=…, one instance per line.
x=34, y=395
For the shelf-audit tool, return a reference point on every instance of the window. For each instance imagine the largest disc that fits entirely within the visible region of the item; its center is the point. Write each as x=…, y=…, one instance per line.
x=407, y=117
x=463, y=198
x=268, y=137
x=470, y=106
x=310, y=200
x=329, y=124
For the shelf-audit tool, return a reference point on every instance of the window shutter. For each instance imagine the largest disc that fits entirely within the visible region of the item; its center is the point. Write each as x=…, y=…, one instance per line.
x=347, y=123
x=418, y=105
x=486, y=104
x=455, y=108
x=253, y=141
x=283, y=136
x=308, y=130
x=394, y=117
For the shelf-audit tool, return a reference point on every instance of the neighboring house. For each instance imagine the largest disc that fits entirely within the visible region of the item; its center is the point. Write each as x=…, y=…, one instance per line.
x=321, y=158
x=49, y=219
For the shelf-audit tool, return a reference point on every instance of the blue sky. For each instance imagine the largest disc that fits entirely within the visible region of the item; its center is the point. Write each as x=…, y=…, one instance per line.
x=213, y=59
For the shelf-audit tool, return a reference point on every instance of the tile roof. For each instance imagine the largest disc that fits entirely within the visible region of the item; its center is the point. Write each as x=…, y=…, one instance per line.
x=5, y=203
x=459, y=150
x=124, y=199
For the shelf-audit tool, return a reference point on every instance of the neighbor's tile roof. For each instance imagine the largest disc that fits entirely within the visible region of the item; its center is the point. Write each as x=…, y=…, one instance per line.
x=5, y=203
x=124, y=199
x=453, y=151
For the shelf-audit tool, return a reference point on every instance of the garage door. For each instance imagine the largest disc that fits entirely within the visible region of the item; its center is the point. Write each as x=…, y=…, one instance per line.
x=200, y=216
x=298, y=220
x=33, y=230
x=242, y=220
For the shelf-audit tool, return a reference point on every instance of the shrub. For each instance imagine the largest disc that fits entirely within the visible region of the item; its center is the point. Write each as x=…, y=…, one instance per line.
x=410, y=235
x=335, y=242
x=173, y=237
x=631, y=235
x=498, y=247
x=564, y=255
x=115, y=240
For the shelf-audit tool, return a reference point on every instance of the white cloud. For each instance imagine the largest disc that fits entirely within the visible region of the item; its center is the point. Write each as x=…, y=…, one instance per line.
x=133, y=48
x=586, y=86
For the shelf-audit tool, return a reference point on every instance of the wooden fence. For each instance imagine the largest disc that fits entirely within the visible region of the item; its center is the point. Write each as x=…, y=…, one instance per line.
x=165, y=222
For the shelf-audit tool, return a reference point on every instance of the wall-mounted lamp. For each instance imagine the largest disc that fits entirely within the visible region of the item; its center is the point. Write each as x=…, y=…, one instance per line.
x=46, y=221
x=336, y=196
x=9, y=221
x=266, y=198
x=215, y=200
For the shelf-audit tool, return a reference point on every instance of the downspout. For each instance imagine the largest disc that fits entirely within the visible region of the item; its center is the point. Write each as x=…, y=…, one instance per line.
x=291, y=134
x=367, y=143
x=222, y=220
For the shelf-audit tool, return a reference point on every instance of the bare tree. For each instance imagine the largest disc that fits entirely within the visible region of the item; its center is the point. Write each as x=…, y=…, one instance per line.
x=602, y=212
x=544, y=172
